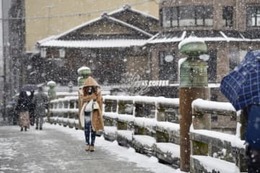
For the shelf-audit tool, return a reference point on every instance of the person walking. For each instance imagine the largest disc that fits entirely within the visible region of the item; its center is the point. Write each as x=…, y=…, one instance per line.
x=252, y=137
x=40, y=101
x=22, y=109
x=242, y=88
x=31, y=108
x=91, y=110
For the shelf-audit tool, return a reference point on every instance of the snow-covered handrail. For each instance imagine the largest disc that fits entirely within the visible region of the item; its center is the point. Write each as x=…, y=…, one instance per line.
x=126, y=118
x=215, y=132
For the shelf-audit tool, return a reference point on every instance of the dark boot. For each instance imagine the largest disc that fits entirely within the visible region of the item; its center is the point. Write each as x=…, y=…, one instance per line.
x=40, y=128
x=21, y=129
x=25, y=128
x=36, y=128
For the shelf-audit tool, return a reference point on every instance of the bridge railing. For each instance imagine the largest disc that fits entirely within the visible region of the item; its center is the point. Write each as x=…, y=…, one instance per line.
x=216, y=137
x=151, y=126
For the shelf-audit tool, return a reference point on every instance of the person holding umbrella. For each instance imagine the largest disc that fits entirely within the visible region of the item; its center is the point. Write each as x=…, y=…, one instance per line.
x=22, y=109
x=242, y=88
x=31, y=108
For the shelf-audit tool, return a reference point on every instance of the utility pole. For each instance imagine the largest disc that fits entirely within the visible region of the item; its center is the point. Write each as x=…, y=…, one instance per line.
x=4, y=61
x=5, y=45
x=4, y=88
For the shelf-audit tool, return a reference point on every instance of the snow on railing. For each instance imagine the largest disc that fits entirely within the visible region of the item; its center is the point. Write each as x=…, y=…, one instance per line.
x=128, y=119
x=215, y=133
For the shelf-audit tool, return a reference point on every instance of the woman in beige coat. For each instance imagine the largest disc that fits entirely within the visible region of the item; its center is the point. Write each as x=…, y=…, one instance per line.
x=91, y=110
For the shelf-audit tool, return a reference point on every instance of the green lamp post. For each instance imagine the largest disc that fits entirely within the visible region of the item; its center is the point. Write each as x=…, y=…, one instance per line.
x=193, y=85
x=51, y=91
x=84, y=73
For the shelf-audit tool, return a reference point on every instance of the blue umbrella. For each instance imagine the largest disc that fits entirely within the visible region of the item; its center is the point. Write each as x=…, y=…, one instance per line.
x=242, y=85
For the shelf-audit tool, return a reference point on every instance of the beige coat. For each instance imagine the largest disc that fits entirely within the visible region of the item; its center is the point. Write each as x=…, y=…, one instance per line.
x=97, y=114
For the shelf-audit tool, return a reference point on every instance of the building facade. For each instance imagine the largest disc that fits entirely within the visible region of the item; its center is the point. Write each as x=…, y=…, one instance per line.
x=230, y=28
x=111, y=45
x=28, y=21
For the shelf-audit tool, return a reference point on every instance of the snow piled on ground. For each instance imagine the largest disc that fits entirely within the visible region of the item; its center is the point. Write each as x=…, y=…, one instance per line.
x=125, y=154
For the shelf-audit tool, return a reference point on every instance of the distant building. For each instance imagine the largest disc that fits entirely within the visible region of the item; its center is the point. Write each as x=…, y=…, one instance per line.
x=29, y=21
x=52, y=17
x=110, y=45
x=230, y=28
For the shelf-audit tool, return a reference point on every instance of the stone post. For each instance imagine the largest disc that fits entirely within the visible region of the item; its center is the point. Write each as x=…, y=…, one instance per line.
x=193, y=85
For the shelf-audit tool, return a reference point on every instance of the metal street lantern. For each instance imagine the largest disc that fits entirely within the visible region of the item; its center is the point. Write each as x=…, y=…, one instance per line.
x=70, y=85
x=193, y=85
x=84, y=73
x=51, y=91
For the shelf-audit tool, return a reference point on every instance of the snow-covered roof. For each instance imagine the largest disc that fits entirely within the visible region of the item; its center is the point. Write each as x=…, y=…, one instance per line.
x=128, y=7
x=104, y=15
x=56, y=41
x=100, y=18
x=130, y=26
x=94, y=43
x=207, y=36
x=52, y=37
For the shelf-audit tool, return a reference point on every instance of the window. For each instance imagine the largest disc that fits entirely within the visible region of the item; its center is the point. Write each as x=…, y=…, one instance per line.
x=175, y=16
x=199, y=15
x=228, y=16
x=170, y=17
x=187, y=16
x=167, y=17
x=253, y=16
x=203, y=15
x=168, y=66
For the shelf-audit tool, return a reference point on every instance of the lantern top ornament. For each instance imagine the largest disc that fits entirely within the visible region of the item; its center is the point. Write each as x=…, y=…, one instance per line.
x=192, y=46
x=51, y=84
x=84, y=71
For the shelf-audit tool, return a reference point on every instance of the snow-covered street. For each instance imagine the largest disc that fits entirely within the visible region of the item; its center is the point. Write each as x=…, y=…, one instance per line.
x=61, y=149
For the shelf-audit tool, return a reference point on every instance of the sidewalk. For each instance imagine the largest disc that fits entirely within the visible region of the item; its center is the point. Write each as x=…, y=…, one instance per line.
x=2, y=122
x=52, y=150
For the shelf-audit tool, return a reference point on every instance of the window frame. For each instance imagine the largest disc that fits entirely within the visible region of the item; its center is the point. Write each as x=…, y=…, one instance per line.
x=187, y=16
x=228, y=16
x=253, y=16
x=167, y=70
